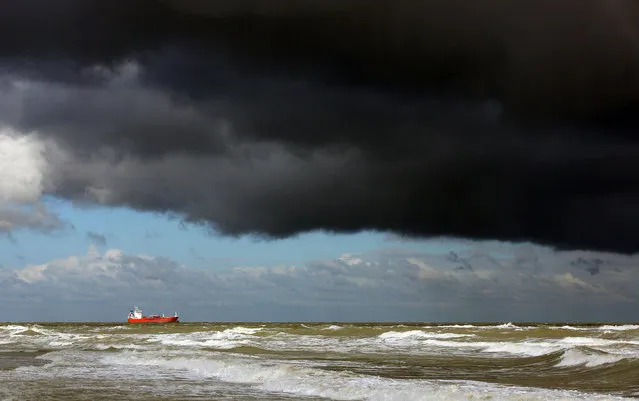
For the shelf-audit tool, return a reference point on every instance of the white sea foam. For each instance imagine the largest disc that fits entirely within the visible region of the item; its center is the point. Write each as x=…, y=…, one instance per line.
x=619, y=328
x=576, y=357
x=587, y=341
x=35, y=336
x=463, y=342
x=13, y=327
x=538, y=348
x=418, y=334
x=100, y=346
x=225, y=339
x=404, y=342
x=333, y=327
x=521, y=348
x=508, y=325
x=566, y=327
x=111, y=328
x=605, y=328
x=243, y=330
x=596, y=342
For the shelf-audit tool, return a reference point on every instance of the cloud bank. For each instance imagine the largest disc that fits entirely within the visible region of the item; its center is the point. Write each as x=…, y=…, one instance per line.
x=394, y=284
x=37, y=218
x=483, y=120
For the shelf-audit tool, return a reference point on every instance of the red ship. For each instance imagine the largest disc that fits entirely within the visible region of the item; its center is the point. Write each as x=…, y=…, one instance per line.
x=135, y=316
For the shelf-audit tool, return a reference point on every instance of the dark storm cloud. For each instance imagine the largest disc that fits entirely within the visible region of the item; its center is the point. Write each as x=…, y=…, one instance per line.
x=486, y=119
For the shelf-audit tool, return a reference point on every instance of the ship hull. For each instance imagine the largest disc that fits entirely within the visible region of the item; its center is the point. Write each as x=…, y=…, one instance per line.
x=172, y=319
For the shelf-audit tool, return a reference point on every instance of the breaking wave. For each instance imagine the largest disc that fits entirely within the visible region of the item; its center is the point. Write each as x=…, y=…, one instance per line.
x=301, y=380
x=620, y=328
x=418, y=334
x=587, y=358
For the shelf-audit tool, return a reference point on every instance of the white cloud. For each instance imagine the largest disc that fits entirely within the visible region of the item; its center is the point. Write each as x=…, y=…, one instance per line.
x=350, y=259
x=22, y=166
x=24, y=178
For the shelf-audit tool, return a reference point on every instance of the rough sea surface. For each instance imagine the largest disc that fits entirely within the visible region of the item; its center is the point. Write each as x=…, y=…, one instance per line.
x=191, y=361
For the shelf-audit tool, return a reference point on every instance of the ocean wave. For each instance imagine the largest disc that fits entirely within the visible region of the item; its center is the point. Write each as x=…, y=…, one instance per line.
x=111, y=328
x=225, y=339
x=32, y=337
x=508, y=326
x=392, y=342
x=243, y=330
x=625, y=327
x=596, y=342
x=380, y=362
x=419, y=334
x=526, y=349
x=299, y=380
x=113, y=347
x=567, y=327
x=13, y=327
x=579, y=357
x=606, y=327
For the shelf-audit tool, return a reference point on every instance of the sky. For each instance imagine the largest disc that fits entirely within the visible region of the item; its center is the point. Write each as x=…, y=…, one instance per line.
x=102, y=261
x=319, y=160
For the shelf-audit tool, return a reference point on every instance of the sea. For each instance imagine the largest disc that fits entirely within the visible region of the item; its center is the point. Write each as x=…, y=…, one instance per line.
x=318, y=361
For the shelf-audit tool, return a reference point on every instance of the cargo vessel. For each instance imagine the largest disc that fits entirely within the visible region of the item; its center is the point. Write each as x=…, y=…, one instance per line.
x=136, y=316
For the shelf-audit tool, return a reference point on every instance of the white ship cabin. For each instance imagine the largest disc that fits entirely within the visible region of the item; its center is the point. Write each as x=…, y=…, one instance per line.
x=136, y=313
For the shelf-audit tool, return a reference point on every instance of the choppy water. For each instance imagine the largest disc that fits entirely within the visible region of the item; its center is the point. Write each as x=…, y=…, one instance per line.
x=191, y=361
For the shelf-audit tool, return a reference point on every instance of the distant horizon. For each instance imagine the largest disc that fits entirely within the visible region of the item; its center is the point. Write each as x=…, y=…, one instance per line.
x=381, y=323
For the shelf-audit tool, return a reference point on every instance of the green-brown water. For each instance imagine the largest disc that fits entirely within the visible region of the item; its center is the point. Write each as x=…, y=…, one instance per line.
x=248, y=361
